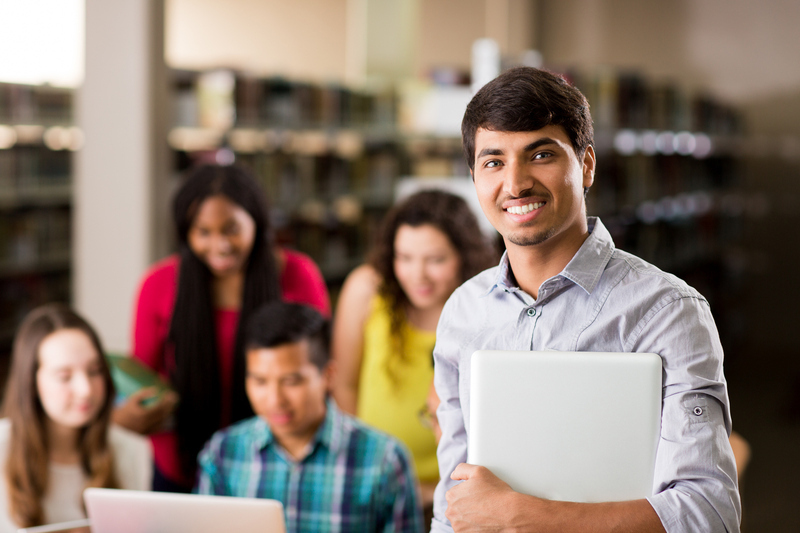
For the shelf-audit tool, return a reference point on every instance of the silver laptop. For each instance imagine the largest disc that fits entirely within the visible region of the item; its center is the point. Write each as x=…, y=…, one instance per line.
x=570, y=426
x=73, y=526
x=129, y=511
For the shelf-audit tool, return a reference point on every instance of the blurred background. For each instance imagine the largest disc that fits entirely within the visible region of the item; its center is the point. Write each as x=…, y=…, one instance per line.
x=341, y=105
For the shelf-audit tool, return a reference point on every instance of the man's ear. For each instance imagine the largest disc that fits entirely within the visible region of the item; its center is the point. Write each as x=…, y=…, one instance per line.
x=589, y=162
x=329, y=375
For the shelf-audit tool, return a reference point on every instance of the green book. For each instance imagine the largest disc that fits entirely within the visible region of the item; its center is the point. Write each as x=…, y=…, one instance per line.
x=130, y=375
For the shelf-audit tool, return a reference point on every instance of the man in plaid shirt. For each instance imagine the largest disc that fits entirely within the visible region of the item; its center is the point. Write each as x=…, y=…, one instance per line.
x=331, y=472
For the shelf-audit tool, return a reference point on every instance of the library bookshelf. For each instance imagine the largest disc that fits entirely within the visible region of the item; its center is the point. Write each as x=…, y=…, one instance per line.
x=37, y=141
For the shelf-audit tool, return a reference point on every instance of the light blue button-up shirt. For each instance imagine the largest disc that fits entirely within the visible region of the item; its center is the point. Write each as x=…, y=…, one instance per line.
x=605, y=300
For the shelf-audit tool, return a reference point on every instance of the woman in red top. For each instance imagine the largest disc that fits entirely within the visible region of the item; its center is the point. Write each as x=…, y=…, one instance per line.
x=190, y=309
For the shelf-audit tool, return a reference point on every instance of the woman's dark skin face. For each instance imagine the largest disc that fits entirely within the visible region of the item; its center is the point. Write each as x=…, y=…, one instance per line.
x=222, y=236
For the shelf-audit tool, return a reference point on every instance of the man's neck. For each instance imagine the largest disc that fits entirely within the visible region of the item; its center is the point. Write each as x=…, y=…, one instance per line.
x=297, y=446
x=533, y=265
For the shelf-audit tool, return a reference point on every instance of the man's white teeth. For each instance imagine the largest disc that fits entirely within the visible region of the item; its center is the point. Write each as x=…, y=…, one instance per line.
x=523, y=209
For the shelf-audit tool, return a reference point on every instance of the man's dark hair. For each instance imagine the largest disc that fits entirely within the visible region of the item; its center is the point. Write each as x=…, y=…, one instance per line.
x=278, y=323
x=527, y=99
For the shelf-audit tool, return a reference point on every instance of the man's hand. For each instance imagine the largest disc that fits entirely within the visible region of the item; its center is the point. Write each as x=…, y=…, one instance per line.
x=145, y=419
x=483, y=502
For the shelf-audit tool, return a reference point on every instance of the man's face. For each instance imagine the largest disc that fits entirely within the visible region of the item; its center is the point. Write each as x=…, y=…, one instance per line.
x=530, y=185
x=288, y=391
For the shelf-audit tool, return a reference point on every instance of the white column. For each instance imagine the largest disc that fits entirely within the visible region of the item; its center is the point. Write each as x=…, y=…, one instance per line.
x=122, y=164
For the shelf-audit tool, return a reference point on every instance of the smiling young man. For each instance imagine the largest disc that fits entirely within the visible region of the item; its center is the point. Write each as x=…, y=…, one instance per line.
x=562, y=285
x=330, y=471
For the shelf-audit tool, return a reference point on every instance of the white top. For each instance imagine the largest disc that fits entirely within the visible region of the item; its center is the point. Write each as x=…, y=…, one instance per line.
x=63, y=502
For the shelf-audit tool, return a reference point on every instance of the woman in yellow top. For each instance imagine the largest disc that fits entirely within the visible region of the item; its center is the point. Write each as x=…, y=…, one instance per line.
x=385, y=322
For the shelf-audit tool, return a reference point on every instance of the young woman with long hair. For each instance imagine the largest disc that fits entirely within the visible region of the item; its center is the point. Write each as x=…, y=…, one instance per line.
x=56, y=439
x=385, y=322
x=192, y=307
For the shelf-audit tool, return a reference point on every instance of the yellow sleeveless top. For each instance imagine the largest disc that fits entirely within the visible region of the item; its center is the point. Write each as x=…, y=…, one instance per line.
x=394, y=406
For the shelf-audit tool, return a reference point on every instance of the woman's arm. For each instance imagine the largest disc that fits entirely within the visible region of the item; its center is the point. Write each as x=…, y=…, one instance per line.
x=150, y=327
x=347, y=342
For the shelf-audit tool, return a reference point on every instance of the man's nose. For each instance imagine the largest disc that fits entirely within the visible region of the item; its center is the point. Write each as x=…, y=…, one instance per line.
x=274, y=395
x=518, y=179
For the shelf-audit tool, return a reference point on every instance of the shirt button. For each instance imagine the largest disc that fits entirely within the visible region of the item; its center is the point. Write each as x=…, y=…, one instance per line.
x=698, y=411
x=531, y=312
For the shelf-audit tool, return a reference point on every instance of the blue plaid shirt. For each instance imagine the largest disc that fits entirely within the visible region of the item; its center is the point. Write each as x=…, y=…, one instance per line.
x=354, y=478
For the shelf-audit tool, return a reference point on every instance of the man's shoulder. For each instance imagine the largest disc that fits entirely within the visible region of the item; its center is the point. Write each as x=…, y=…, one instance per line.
x=240, y=432
x=370, y=443
x=632, y=273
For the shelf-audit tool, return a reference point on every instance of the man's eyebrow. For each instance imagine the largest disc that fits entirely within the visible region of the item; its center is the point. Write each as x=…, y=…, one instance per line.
x=529, y=148
x=539, y=143
x=490, y=151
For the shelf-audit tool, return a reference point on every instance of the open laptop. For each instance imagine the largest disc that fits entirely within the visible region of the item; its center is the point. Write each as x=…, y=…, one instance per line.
x=128, y=511
x=570, y=426
x=73, y=526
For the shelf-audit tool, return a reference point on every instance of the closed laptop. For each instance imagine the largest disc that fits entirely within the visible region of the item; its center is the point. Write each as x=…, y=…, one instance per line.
x=570, y=426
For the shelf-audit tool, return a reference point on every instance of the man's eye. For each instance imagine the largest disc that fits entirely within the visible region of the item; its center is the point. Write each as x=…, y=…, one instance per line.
x=492, y=164
x=543, y=155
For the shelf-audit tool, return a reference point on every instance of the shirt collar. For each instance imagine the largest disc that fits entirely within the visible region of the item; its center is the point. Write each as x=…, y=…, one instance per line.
x=584, y=269
x=590, y=261
x=505, y=278
x=329, y=434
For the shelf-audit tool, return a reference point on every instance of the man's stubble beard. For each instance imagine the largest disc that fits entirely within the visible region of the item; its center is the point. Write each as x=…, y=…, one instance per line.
x=531, y=240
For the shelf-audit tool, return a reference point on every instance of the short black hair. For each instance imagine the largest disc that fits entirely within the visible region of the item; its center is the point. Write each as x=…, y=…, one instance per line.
x=279, y=323
x=527, y=99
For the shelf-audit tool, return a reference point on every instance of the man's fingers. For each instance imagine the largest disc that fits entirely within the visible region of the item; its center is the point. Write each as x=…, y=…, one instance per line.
x=463, y=472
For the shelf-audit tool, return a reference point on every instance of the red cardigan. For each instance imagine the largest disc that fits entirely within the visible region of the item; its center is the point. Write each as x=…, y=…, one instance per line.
x=300, y=281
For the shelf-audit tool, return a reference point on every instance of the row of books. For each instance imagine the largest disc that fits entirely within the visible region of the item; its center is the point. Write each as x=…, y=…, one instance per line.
x=682, y=246
x=223, y=99
x=34, y=166
x=631, y=100
x=35, y=239
x=35, y=104
x=294, y=181
x=20, y=295
x=626, y=181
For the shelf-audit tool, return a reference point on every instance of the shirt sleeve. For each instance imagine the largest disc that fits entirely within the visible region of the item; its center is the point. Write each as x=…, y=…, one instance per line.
x=452, y=448
x=302, y=283
x=209, y=479
x=400, y=500
x=695, y=485
x=149, y=326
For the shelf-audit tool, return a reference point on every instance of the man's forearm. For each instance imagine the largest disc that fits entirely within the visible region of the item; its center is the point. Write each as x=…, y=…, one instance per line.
x=484, y=502
x=526, y=513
